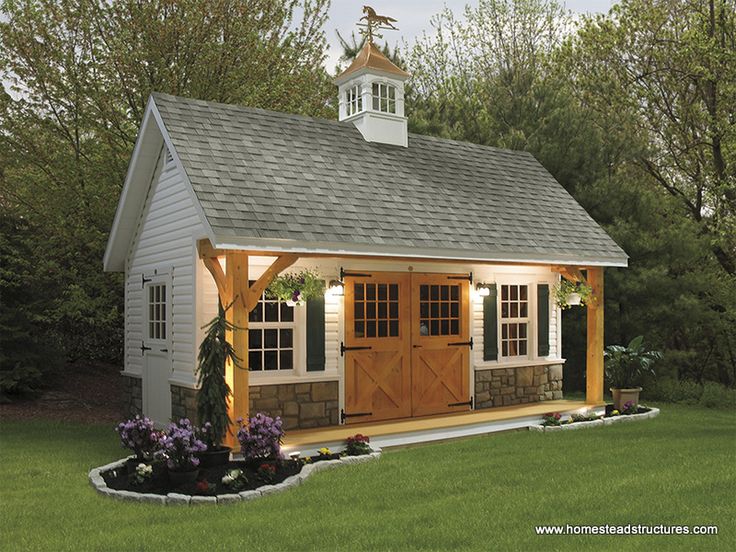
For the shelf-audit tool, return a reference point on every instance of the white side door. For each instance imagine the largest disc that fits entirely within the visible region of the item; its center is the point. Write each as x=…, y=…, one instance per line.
x=156, y=349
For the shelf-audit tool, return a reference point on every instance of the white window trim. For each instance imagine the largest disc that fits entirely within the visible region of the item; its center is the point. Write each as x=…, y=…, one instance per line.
x=386, y=84
x=299, y=359
x=156, y=280
x=518, y=320
x=354, y=98
x=530, y=281
x=299, y=373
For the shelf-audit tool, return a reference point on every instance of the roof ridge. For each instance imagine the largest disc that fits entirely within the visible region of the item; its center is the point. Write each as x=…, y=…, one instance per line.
x=341, y=124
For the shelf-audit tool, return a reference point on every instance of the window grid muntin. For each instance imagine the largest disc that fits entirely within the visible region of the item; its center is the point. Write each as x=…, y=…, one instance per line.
x=439, y=309
x=353, y=100
x=157, y=312
x=376, y=310
x=384, y=97
x=514, y=320
x=271, y=336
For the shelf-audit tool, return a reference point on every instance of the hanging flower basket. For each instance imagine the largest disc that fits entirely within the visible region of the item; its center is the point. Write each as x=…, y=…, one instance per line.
x=297, y=288
x=569, y=294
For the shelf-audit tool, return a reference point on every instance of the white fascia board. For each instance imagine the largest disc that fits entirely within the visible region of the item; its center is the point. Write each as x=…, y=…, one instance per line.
x=151, y=137
x=277, y=246
x=145, y=155
x=180, y=167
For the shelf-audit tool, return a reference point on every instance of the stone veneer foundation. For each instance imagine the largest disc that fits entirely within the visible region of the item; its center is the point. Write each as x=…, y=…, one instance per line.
x=526, y=384
x=132, y=396
x=300, y=405
x=183, y=403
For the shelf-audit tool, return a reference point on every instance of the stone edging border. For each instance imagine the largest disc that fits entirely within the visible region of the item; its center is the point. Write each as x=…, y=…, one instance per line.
x=596, y=423
x=96, y=480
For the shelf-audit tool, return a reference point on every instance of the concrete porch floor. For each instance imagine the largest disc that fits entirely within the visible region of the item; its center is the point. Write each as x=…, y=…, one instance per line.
x=394, y=433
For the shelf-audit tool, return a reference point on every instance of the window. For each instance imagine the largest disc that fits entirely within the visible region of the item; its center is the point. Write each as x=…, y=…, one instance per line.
x=384, y=97
x=354, y=102
x=514, y=320
x=271, y=335
x=157, y=311
x=439, y=309
x=376, y=310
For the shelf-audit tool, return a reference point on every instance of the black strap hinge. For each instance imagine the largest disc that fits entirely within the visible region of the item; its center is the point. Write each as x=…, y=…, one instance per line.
x=462, y=343
x=353, y=274
x=466, y=403
x=343, y=348
x=144, y=348
x=469, y=277
x=344, y=415
x=144, y=280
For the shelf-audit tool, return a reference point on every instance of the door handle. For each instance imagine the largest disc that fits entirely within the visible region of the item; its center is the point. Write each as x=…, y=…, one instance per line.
x=416, y=346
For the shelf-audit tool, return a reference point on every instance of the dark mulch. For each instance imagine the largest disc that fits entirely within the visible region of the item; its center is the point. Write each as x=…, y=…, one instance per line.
x=81, y=392
x=160, y=484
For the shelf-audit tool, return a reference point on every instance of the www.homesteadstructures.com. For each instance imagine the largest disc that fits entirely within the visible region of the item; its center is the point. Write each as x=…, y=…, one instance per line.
x=443, y=256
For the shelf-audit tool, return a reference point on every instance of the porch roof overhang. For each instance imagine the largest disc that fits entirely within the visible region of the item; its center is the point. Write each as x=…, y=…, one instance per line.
x=270, y=247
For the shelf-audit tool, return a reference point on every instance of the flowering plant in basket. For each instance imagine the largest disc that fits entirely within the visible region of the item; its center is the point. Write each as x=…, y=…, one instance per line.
x=261, y=437
x=357, y=445
x=179, y=445
x=297, y=288
x=140, y=436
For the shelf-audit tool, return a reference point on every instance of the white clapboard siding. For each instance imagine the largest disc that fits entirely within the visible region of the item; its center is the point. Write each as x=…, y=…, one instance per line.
x=165, y=243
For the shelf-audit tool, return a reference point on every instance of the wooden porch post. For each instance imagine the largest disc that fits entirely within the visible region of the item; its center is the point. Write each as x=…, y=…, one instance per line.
x=236, y=265
x=594, y=364
x=233, y=287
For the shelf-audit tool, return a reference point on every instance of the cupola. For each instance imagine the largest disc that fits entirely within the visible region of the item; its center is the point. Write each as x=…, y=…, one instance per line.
x=372, y=97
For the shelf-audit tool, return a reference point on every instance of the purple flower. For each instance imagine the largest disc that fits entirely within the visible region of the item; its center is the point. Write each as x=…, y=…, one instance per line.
x=140, y=436
x=261, y=438
x=179, y=445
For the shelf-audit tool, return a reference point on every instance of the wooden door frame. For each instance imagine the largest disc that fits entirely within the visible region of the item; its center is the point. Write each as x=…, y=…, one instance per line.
x=411, y=277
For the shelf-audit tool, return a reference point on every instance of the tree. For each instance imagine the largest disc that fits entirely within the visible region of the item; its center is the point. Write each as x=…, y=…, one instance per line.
x=666, y=71
x=504, y=75
x=76, y=77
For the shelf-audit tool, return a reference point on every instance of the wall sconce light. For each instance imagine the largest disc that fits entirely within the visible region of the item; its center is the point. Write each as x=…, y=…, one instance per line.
x=336, y=288
x=483, y=290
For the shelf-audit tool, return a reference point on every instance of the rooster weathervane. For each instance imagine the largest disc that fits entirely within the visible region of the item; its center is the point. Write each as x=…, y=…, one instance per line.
x=374, y=22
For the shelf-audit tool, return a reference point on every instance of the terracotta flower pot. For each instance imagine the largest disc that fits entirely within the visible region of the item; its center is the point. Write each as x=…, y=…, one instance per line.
x=622, y=396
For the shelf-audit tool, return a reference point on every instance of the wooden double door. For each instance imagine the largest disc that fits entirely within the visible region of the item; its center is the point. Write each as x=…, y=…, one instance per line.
x=407, y=345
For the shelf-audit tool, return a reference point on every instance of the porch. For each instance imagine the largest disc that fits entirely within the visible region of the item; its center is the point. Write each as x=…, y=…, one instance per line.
x=412, y=382
x=393, y=433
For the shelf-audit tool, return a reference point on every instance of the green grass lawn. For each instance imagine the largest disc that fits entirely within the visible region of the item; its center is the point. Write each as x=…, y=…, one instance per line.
x=482, y=493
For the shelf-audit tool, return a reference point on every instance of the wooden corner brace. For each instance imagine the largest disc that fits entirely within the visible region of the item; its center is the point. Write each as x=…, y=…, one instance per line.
x=572, y=273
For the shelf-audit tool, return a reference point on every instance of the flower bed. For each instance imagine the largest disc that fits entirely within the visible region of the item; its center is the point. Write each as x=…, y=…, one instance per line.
x=592, y=420
x=167, y=470
x=112, y=480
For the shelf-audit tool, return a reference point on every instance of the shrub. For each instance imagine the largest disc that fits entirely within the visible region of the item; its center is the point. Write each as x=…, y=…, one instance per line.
x=674, y=391
x=179, y=445
x=140, y=436
x=212, y=398
x=710, y=394
x=716, y=395
x=261, y=438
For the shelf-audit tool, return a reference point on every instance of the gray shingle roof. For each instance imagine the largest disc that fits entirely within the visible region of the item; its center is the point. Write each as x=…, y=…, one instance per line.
x=262, y=175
